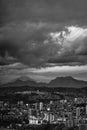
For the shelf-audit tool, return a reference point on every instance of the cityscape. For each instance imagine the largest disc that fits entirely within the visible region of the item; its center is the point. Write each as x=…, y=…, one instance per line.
x=38, y=108
x=43, y=64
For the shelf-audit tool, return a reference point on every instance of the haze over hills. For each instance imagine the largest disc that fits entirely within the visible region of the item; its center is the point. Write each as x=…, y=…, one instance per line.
x=67, y=82
x=22, y=81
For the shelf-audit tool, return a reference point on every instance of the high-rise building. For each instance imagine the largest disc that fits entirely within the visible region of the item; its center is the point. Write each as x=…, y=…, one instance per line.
x=70, y=119
x=1, y=103
x=41, y=106
x=51, y=118
x=86, y=109
x=20, y=103
x=51, y=102
x=78, y=112
x=46, y=116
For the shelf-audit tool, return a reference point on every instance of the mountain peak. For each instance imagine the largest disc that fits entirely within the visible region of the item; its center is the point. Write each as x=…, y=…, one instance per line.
x=67, y=82
x=21, y=81
x=24, y=78
x=66, y=77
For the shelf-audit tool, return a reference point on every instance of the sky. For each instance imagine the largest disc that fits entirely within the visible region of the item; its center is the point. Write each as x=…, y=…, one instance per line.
x=43, y=39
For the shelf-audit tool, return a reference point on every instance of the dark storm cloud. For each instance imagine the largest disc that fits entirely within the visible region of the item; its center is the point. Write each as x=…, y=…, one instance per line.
x=7, y=53
x=5, y=61
x=25, y=41
x=43, y=10
x=35, y=45
x=72, y=53
x=26, y=24
x=7, y=46
x=69, y=60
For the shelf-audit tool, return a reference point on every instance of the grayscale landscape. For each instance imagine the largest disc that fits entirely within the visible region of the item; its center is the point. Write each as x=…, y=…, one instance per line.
x=43, y=64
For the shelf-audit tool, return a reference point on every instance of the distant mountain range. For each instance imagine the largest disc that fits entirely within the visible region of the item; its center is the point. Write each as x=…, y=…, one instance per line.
x=64, y=82
x=22, y=81
x=68, y=82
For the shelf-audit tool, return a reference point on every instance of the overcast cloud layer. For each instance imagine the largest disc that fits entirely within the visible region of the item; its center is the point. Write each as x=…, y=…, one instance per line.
x=43, y=33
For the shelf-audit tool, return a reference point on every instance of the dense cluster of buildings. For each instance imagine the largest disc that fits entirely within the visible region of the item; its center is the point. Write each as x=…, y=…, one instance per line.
x=70, y=111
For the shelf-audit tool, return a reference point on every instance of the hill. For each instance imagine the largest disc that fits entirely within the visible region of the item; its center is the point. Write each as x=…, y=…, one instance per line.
x=19, y=82
x=59, y=82
x=67, y=82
